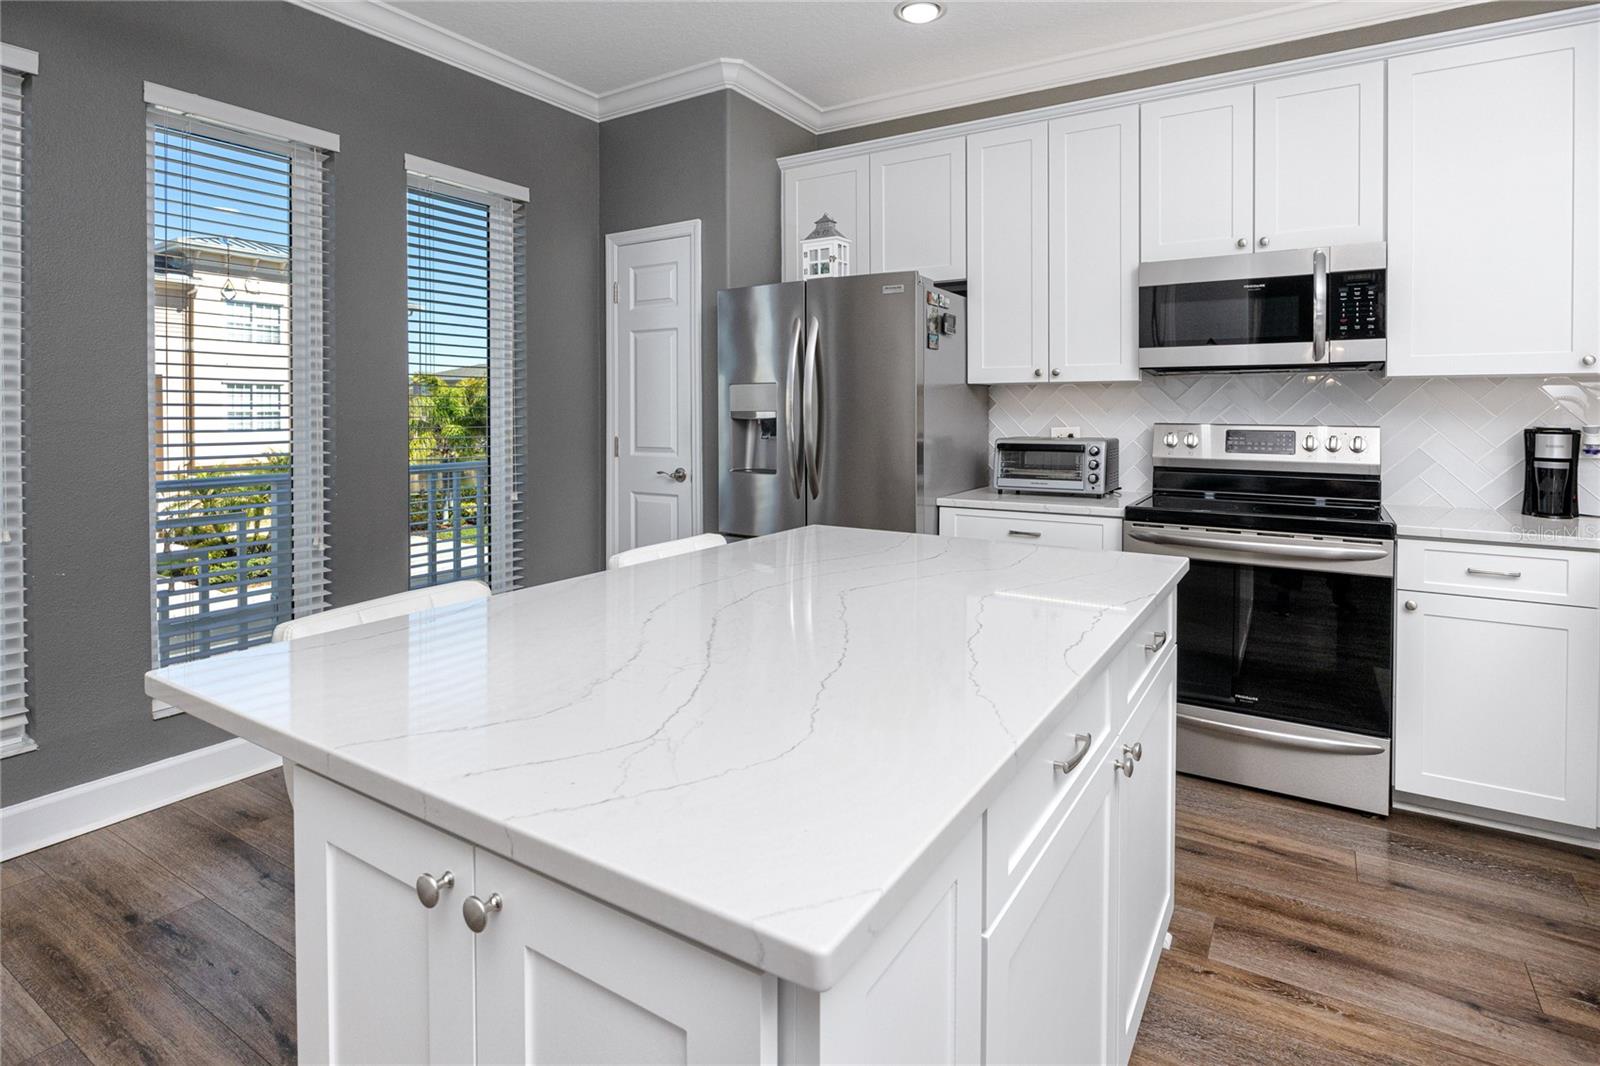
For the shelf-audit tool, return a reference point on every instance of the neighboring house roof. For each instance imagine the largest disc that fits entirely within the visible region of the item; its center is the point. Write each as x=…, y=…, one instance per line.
x=179, y=256
x=227, y=246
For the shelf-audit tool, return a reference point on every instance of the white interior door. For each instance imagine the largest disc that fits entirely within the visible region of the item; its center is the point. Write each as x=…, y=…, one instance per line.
x=654, y=387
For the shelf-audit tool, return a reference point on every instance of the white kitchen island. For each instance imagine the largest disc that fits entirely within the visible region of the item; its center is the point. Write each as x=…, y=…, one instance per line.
x=829, y=795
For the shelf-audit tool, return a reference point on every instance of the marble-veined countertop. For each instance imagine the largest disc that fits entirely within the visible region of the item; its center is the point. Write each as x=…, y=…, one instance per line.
x=764, y=746
x=1508, y=526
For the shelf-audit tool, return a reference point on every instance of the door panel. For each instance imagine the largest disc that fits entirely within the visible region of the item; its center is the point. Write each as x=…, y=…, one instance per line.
x=392, y=981
x=656, y=363
x=867, y=450
x=563, y=978
x=837, y=187
x=758, y=348
x=1195, y=175
x=919, y=209
x=1008, y=263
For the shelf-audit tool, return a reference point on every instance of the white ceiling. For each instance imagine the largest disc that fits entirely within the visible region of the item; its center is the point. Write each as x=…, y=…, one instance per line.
x=829, y=64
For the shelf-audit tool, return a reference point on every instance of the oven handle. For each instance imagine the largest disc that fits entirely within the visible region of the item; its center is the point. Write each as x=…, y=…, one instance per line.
x=1287, y=740
x=1262, y=547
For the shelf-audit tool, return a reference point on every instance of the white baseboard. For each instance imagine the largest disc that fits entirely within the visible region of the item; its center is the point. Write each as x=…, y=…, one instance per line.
x=37, y=823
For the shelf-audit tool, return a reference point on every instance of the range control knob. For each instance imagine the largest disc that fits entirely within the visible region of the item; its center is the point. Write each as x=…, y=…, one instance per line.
x=1093, y=478
x=1310, y=443
x=1358, y=444
x=1170, y=440
x=1333, y=443
x=1191, y=441
x=1094, y=449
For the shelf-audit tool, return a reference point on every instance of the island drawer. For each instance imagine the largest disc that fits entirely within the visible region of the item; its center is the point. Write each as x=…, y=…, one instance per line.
x=1051, y=775
x=1500, y=571
x=1137, y=662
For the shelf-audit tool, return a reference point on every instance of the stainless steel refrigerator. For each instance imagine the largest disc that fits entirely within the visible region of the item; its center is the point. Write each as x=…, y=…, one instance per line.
x=845, y=402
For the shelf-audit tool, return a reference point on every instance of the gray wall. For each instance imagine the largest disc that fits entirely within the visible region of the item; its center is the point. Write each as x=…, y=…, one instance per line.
x=1454, y=18
x=711, y=157
x=88, y=543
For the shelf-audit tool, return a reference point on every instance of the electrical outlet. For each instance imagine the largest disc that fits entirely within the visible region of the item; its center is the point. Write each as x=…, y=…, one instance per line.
x=1064, y=431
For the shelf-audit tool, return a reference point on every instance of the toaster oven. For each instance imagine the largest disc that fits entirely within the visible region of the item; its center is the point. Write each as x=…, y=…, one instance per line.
x=1069, y=466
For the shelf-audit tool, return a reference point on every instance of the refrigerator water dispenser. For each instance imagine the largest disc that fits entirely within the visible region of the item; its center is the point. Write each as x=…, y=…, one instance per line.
x=753, y=432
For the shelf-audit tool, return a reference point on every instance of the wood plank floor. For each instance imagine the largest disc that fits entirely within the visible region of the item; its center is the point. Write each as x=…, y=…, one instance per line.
x=1303, y=935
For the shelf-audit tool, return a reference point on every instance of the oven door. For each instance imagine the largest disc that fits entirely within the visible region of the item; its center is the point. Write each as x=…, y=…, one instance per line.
x=1048, y=468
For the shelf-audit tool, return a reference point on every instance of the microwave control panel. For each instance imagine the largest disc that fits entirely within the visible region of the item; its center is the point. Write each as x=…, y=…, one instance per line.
x=1355, y=305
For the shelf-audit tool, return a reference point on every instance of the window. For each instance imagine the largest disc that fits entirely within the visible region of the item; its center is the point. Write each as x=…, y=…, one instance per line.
x=254, y=407
x=464, y=347
x=239, y=393
x=18, y=63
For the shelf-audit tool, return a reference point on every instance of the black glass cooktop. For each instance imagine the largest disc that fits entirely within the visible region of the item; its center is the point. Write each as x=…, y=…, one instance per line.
x=1284, y=514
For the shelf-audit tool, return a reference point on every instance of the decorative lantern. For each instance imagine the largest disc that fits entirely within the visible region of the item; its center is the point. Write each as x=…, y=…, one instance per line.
x=825, y=252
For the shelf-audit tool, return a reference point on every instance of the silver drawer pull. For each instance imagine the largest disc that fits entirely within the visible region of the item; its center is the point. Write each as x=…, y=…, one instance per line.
x=1031, y=534
x=430, y=888
x=1475, y=572
x=1158, y=641
x=1069, y=764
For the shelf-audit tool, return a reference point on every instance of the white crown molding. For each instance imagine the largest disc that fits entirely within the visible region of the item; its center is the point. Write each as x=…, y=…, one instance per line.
x=1310, y=18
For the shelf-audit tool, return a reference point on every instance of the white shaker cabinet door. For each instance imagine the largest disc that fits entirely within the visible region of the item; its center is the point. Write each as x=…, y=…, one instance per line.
x=563, y=978
x=1048, y=965
x=1145, y=824
x=838, y=188
x=1094, y=246
x=1195, y=175
x=1008, y=263
x=1319, y=158
x=1494, y=207
x=1497, y=704
x=381, y=977
x=919, y=209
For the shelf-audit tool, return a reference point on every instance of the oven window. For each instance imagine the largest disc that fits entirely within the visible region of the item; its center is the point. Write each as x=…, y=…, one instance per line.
x=1054, y=464
x=1295, y=645
x=1251, y=311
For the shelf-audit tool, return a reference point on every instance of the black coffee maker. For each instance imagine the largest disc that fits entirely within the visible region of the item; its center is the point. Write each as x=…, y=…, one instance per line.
x=1550, y=472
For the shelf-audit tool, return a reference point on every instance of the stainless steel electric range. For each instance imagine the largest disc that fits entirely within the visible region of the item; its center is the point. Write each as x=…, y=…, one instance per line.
x=1285, y=627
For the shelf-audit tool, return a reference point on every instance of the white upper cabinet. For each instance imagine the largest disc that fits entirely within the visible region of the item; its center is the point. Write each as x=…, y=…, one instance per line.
x=1008, y=290
x=1196, y=173
x=919, y=209
x=1094, y=246
x=1319, y=158
x=835, y=187
x=1494, y=207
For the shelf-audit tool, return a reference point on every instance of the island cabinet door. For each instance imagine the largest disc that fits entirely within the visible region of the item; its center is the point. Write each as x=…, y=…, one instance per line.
x=1144, y=769
x=381, y=976
x=1047, y=957
x=563, y=978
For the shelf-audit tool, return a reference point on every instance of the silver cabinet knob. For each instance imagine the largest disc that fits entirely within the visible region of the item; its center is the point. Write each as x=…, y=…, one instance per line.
x=679, y=475
x=1136, y=749
x=1411, y=605
x=1588, y=360
x=1038, y=373
x=1055, y=371
x=1125, y=765
x=1241, y=243
x=1310, y=443
x=476, y=911
x=1263, y=242
x=430, y=888
x=1358, y=444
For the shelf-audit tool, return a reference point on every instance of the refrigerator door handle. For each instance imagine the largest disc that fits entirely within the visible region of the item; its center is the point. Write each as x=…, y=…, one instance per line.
x=791, y=416
x=813, y=410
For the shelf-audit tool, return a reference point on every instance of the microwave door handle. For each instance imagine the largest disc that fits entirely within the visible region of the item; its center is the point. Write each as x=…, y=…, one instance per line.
x=791, y=410
x=813, y=409
x=1319, y=305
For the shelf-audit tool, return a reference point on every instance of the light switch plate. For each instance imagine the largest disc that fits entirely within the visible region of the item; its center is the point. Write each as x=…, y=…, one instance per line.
x=1064, y=431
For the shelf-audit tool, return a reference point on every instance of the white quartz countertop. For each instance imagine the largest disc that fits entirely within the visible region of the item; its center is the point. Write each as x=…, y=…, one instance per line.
x=1497, y=527
x=764, y=746
x=1040, y=502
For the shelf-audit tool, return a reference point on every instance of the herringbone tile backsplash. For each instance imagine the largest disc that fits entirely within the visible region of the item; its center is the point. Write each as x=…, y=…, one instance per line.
x=1446, y=441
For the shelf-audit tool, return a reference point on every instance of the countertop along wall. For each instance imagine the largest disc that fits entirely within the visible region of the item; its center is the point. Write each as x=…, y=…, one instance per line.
x=86, y=406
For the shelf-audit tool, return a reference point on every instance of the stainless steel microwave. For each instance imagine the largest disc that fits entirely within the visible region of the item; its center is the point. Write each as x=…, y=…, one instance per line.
x=1069, y=466
x=1289, y=310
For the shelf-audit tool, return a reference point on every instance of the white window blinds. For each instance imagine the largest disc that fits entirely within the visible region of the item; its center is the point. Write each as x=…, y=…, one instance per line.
x=465, y=344
x=13, y=189
x=239, y=382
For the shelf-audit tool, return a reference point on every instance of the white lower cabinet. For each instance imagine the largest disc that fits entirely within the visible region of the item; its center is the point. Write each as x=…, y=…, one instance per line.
x=1087, y=532
x=1497, y=704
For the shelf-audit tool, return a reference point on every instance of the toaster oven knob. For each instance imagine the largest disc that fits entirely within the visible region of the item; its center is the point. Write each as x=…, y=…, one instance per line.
x=1191, y=441
x=1093, y=478
x=1170, y=440
x=1094, y=464
x=1333, y=443
x=1358, y=444
x=1094, y=449
x=1310, y=443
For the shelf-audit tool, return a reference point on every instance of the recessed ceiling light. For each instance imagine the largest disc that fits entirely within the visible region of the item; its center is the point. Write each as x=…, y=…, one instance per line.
x=918, y=12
